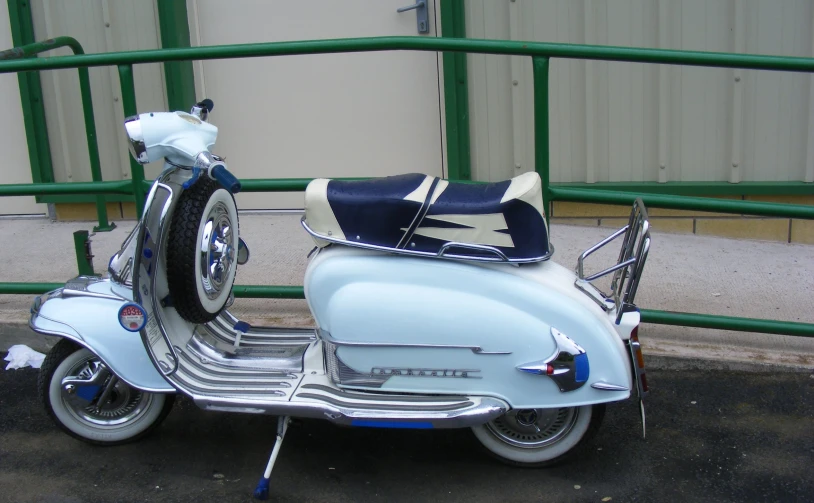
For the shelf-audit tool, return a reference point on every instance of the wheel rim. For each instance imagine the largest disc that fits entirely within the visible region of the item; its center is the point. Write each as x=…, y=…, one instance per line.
x=534, y=428
x=124, y=405
x=217, y=251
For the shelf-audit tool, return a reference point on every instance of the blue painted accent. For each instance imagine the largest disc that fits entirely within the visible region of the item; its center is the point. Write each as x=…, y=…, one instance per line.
x=148, y=253
x=242, y=326
x=143, y=313
x=196, y=173
x=87, y=392
x=261, y=492
x=583, y=370
x=391, y=424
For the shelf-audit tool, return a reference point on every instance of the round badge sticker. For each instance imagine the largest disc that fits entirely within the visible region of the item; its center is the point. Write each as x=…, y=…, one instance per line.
x=132, y=317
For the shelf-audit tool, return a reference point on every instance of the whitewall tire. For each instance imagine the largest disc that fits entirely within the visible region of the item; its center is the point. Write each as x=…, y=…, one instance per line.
x=539, y=437
x=202, y=251
x=127, y=414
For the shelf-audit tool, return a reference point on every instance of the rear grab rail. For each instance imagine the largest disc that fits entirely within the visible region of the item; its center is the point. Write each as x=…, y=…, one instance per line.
x=628, y=268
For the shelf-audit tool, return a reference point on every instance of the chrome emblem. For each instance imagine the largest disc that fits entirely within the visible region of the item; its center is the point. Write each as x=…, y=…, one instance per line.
x=402, y=372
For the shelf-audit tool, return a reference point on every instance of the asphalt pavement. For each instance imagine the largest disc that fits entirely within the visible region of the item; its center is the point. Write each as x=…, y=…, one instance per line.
x=711, y=436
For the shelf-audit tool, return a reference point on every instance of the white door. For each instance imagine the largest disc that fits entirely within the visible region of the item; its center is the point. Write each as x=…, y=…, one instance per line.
x=329, y=115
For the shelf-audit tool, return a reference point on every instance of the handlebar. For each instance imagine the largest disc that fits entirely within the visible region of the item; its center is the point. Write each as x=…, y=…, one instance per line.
x=215, y=168
x=224, y=177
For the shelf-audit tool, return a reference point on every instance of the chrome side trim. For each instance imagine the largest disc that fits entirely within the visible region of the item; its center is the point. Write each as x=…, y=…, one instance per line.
x=326, y=336
x=604, y=386
x=379, y=396
x=499, y=256
x=477, y=410
x=389, y=407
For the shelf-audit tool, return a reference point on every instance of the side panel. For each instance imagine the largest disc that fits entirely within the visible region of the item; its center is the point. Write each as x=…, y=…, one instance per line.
x=93, y=323
x=363, y=298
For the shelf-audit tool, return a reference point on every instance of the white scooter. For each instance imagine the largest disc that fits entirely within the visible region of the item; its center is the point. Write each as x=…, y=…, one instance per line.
x=435, y=303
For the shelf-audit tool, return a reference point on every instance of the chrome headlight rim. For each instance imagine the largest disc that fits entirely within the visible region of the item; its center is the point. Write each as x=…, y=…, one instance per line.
x=135, y=137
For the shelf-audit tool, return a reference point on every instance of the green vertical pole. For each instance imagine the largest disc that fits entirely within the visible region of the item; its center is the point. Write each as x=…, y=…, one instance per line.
x=128, y=87
x=541, y=146
x=456, y=93
x=36, y=130
x=180, y=80
x=93, y=147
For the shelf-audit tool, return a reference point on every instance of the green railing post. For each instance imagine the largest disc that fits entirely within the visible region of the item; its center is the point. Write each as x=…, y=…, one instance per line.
x=542, y=158
x=128, y=87
x=93, y=146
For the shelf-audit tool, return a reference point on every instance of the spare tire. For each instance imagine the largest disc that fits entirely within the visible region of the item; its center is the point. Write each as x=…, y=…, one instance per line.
x=202, y=251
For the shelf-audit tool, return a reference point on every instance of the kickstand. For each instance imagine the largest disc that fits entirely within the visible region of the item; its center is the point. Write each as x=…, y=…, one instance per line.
x=261, y=492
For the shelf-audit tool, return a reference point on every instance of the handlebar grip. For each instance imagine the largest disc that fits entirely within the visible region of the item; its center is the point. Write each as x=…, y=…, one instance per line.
x=225, y=178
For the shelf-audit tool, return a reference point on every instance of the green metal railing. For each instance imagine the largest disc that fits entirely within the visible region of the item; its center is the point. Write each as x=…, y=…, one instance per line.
x=31, y=50
x=540, y=53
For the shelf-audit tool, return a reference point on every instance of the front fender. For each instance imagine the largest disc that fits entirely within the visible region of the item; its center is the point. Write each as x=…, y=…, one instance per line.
x=92, y=322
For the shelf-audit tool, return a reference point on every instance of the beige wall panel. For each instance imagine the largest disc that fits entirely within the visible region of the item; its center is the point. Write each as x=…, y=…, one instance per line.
x=16, y=164
x=100, y=26
x=334, y=115
x=621, y=121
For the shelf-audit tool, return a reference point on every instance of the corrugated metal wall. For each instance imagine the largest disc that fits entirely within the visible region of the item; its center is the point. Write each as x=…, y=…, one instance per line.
x=100, y=26
x=634, y=122
x=16, y=163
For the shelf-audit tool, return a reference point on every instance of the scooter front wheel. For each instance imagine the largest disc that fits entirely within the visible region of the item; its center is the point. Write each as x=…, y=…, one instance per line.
x=539, y=437
x=94, y=405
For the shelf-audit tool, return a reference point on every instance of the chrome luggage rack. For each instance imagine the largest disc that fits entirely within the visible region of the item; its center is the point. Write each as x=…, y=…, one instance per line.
x=478, y=253
x=628, y=269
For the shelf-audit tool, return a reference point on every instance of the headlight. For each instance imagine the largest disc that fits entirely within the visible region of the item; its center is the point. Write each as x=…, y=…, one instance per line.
x=135, y=139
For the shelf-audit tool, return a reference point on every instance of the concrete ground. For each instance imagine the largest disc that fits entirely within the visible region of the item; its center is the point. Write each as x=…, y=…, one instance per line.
x=712, y=436
x=684, y=273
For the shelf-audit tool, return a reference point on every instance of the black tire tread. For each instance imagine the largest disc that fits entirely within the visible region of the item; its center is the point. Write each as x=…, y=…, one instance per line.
x=182, y=251
x=61, y=350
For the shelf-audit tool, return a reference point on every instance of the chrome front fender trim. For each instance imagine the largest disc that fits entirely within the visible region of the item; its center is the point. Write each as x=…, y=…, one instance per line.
x=82, y=343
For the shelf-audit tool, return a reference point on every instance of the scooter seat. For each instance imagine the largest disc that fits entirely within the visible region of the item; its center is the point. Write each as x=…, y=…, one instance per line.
x=416, y=212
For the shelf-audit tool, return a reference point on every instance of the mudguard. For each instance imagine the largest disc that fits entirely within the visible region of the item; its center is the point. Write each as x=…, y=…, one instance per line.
x=400, y=324
x=92, y=322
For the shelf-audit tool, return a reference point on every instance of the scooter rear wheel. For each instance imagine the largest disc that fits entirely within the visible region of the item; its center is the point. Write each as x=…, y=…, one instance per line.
x=539, y=437
x=126, y=415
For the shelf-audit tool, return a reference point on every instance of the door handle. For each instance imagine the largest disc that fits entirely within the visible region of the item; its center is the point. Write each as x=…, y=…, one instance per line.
x=421, y=13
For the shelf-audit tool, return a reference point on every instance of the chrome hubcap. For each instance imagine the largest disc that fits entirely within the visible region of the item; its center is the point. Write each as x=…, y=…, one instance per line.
x=122, y=404
x=217, y=250
x=533, y=428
